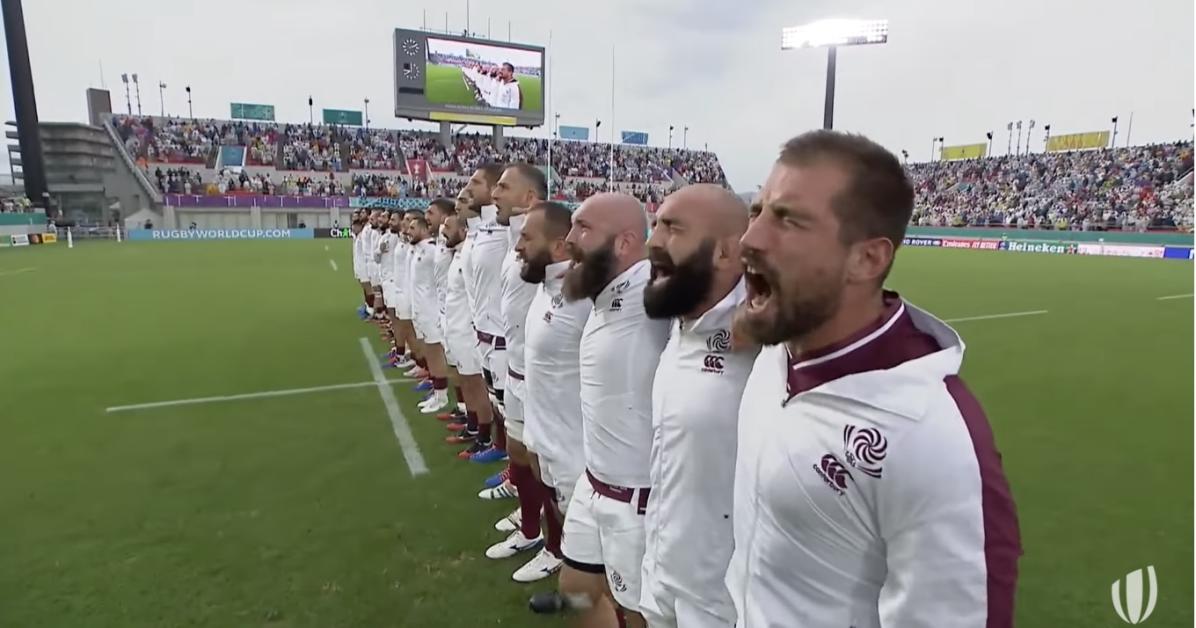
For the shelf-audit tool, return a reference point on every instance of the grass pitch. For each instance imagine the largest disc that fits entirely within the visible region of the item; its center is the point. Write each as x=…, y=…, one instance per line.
x=300, y=511
x=444, y=84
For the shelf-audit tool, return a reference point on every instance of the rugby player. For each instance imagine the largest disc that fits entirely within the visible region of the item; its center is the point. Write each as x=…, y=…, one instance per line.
x=868, y=488
x=426, y=311
x=519, y=187
x=460, y=338
x=620, y=347
x=418, y=365
x=357, y=228
x=436, y=214
x=483, y=270
x=457, y=417
x=696, y=284
x=552, y=406
x=389, y=243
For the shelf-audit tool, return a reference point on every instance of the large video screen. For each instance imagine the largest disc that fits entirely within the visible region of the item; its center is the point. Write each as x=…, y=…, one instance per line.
x=460, y=79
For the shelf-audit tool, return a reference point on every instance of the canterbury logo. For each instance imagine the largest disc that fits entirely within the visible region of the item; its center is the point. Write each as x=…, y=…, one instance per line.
x=833, y=473
x=1132, y=612
x=712, y=363
x=864, y=448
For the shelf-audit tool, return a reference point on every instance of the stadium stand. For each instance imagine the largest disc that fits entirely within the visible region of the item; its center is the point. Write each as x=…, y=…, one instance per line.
x=580, y=168
x=1135, y=188
x=1143, y=187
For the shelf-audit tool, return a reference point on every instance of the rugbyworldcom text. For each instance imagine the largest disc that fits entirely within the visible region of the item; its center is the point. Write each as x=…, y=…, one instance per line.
x=220, y=234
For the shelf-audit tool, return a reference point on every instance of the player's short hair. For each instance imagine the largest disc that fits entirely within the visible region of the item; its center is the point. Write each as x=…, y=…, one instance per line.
x=446, y=206
x=878, y=199
x=507, y=65
x=420, y=220
x=410, y=213
x=558, y=220
x=534, y=176
x=491, y=171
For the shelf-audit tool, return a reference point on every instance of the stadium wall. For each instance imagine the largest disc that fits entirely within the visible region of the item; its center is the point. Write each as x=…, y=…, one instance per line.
x=1120, y=237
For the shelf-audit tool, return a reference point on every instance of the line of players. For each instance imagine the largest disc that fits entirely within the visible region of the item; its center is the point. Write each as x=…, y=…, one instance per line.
x=727, y=423
x=495, y=86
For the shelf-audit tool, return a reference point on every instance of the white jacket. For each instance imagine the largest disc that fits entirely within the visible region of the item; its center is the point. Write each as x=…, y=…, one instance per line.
x=868, y=489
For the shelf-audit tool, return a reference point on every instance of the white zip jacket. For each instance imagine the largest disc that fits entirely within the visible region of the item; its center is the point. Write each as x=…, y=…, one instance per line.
x=620, y=349
x=868, y=489
x=517, y=296
x=695, y=417
x=552, y=409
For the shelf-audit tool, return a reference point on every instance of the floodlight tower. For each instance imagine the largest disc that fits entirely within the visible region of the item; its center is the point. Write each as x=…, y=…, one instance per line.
x=831, y=34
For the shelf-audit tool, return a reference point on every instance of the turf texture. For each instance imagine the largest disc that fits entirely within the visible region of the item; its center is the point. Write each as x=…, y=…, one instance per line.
x=300, y=511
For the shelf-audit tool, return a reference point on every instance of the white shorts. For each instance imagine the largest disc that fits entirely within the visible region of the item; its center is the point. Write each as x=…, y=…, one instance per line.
x=604, y=532
x=373, y=273
x=562, y=478
x=359, y=269
x=464, y=352
x=512, y=412
x=403, y=304
x=389, y=293
x=428, y=330
x=663, y=609
x=495, y=361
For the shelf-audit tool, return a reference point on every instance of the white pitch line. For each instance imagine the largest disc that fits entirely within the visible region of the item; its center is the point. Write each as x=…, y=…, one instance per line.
x=325, y=247
x=1174, y=296
x=17, y=271
x=254, y=395
x=992, y=316
x=415, y=460
x=332, y=263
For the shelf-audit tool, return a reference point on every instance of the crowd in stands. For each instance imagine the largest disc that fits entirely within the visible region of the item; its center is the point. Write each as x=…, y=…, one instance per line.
x=15, y=204
x=186, y=141
x=1125, y=188
x=1131, y=188
x=381, y=185
x=179, y=181
x=236, y=181
x=330, y=148
x=312, y=147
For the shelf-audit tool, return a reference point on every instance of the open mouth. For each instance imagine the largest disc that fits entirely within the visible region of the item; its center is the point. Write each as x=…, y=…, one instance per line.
x=759, y=289
x=660, y=272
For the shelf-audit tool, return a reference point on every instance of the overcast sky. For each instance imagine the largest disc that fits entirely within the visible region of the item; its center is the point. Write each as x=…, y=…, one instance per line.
x=955, y=68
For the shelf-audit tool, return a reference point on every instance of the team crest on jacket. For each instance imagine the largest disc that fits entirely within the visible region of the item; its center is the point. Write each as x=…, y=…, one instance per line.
x=719, y=341
x=623, y=286
x=864, y=448
x=616, y=581
x=557, y=301
x=833, y=473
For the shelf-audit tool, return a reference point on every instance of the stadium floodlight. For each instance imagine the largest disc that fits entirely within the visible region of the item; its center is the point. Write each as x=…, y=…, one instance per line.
x=831, y=34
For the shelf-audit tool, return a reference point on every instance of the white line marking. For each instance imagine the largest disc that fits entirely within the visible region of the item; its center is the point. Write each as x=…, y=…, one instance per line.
x=333, y=265
x=1174, y=296
x=992, y=316
x=325, y=247
x=17, y=271
x=255, y=395
x=415, y=460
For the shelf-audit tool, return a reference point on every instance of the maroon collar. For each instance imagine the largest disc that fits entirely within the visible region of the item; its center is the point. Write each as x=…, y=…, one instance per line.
x=892, y=339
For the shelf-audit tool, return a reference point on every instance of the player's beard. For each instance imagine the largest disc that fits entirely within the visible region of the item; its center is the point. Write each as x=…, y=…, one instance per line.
x=791, y=313
x=590, y=272
x=675, y=289
x=452, y=241
x=535, y=268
